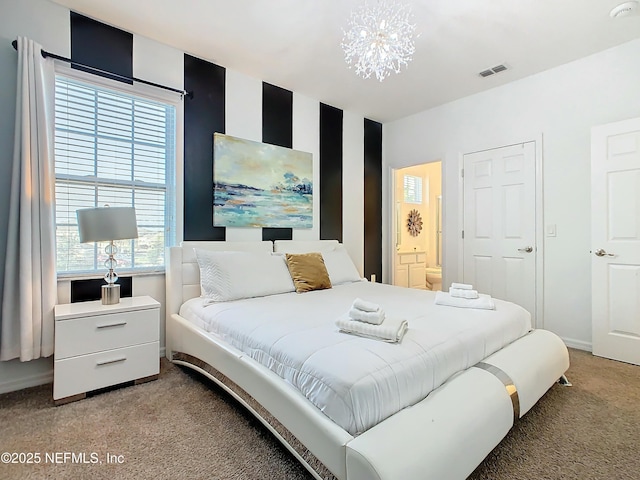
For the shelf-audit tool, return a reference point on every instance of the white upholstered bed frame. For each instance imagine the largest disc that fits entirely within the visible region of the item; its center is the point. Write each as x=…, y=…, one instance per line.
x=446, y=435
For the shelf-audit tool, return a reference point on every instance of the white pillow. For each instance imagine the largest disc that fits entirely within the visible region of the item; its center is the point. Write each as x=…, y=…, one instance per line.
x=226, y=276
x=340, y=266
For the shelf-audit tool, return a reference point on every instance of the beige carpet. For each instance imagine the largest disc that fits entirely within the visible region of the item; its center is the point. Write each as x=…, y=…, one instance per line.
x=182, y=426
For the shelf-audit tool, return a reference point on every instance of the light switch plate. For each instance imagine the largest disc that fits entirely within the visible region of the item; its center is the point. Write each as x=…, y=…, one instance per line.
x=551, y=230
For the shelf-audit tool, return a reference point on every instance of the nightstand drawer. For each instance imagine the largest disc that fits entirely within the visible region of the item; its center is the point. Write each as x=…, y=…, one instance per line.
x=79, y=336
x=91, y=372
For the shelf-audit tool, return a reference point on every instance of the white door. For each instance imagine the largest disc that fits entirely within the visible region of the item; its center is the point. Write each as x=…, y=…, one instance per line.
x=500, y=223
x=615, y=240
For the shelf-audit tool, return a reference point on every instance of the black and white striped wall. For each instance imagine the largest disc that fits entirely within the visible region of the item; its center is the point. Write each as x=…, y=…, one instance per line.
x=224, y=99
x=346, y=147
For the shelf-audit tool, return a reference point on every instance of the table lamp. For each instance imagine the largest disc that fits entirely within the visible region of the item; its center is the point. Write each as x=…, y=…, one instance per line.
x=108, y=224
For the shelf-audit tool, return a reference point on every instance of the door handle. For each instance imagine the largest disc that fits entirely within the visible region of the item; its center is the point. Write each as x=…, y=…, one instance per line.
x=527, y=249
x=601, y=253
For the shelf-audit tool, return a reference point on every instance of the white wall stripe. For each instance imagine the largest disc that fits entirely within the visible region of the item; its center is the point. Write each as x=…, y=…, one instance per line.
x=353, y=187
x=306, y=137
x=243, y=119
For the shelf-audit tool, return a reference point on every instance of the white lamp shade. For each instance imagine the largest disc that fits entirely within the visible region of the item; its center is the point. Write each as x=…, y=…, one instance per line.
x=106, y=223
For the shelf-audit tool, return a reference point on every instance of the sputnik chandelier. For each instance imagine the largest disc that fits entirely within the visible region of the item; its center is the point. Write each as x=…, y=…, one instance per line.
x=379, y=39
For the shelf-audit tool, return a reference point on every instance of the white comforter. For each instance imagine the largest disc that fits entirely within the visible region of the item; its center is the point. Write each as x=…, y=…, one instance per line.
x=355, y=381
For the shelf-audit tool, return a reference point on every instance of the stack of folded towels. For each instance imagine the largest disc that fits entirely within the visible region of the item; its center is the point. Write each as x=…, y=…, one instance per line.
x=463, y=295
x=463, y=290
x=368, y=320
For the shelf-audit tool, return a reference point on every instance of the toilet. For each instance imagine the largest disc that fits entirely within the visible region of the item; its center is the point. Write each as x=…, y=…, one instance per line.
x=434, y=278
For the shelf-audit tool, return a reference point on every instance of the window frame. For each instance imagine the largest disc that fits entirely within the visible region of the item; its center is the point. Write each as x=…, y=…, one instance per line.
x=417, y=189
x=174, y=179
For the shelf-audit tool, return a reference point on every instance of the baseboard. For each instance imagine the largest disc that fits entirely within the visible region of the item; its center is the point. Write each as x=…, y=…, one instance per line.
x=163, y=352
x=577, y=344
x=26, y=382
x=36, y=380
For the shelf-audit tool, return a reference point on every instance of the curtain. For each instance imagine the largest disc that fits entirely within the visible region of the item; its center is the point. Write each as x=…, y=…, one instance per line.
x=30, y=287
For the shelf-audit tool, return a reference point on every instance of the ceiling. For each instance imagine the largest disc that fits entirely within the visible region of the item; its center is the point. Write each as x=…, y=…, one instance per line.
x=295, y=44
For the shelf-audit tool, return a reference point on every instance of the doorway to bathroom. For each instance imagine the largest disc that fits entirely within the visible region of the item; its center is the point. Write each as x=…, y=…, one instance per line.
x=417, y=226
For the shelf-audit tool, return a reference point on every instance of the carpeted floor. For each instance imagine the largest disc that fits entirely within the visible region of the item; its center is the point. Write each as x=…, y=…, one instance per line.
x=183, y=426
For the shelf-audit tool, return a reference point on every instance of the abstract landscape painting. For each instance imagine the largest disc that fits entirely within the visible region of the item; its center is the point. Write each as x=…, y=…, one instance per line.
x=261, y=185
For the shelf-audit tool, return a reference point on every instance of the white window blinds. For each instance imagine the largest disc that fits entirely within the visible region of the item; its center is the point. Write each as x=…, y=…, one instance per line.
x=117, y=149
x=412, y=189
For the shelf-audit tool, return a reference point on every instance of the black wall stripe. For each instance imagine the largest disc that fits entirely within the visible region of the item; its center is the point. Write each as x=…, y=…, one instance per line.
x=273, y=234
x=203, y=115
x=111, y=49
x=330, y=173
x=101, y=46
x=277, y=116
x=372, y=199
x=277, y=129
x=91, y=289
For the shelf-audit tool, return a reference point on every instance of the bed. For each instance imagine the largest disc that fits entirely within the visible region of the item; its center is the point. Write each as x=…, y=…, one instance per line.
x=469, y=404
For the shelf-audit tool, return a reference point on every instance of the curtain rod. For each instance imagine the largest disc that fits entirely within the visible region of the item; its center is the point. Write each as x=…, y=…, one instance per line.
x=46, y=54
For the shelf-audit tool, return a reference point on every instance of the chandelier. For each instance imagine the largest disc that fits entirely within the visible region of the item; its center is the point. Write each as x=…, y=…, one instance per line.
x=379, y=39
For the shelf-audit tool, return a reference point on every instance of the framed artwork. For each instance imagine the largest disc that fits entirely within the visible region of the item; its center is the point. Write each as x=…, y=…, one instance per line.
x=261, y=185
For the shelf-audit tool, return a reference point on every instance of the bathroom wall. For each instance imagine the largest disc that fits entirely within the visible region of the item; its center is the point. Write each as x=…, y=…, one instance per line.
x=433, y=177
x=431, y=189
x=407, y=242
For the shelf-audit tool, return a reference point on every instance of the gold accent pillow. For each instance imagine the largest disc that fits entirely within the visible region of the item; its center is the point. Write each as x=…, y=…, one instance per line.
x=308, y=271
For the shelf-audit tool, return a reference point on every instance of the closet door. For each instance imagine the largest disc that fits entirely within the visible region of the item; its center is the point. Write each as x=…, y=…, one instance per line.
x=500, y=223
x=615, y=237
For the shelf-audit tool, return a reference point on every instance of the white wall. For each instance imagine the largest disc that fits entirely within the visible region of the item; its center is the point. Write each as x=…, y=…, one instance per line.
x=561, y=104
x=306, y=137
x=353, y=188
x=49, y=24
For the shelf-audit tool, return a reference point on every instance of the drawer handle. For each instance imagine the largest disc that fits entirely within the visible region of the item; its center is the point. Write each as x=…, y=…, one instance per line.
x=107, y=325
x=115, y=360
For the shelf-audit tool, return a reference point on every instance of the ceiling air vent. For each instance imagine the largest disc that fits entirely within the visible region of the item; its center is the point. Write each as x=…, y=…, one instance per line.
x=491, y=71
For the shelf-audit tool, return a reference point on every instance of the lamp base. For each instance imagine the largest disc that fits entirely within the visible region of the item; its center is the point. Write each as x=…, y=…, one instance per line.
x=110, y=294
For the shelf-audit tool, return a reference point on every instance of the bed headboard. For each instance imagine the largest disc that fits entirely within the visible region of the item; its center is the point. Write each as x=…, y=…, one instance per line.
x=183, y=274
x=304, y=246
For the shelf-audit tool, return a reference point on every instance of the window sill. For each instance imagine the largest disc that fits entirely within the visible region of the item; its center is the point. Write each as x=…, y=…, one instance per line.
x=89, y=275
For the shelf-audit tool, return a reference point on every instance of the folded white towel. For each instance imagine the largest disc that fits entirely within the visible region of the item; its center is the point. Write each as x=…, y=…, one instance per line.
x=462, y=293
x=392, y=330
x=365, y=306
x=375, y=318
x=462, y=286
x=483, y=301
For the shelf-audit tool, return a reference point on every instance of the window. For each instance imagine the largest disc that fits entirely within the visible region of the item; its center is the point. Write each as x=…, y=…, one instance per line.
x=412, y=189
x=113, y=148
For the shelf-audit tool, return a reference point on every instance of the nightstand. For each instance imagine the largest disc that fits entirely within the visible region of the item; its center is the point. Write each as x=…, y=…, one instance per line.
x=98, y=346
